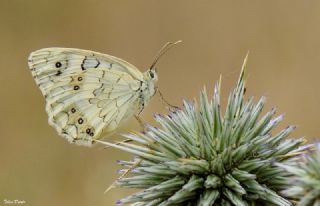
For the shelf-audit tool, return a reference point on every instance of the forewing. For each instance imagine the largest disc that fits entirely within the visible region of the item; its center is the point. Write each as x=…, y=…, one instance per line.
x=87, y=93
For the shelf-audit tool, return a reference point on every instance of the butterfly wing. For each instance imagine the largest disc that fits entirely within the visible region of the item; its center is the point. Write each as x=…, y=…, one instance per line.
x=87, y=93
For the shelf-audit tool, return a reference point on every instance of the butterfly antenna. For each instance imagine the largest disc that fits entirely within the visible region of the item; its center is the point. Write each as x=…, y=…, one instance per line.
x=163, y=50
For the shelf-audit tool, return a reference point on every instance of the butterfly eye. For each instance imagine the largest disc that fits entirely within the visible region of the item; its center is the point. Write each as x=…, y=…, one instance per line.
x=151, y=74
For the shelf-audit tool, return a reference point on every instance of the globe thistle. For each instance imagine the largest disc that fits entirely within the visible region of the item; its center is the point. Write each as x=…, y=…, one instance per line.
x=305, y=186
x=200, y=157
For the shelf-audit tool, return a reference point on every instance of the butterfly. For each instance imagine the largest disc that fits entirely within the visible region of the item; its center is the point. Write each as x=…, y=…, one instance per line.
x=89, y=94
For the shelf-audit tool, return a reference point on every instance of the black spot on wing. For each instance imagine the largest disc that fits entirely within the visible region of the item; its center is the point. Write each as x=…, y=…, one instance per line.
x=80, y=120
x=58, y=64
x=58, y=73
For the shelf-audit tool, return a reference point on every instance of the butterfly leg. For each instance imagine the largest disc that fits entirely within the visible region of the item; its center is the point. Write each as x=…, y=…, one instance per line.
x=140, y=121
x=164, y=101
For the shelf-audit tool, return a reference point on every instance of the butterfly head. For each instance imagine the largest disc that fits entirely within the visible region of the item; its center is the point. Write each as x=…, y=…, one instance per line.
x=151, y=77
x=152, y=74
x=149, y=84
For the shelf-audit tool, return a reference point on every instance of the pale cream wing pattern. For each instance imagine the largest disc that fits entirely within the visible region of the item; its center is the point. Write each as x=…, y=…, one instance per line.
x=88, y=94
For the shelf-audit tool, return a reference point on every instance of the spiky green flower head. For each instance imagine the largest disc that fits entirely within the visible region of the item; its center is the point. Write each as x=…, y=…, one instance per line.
x=200, y=157
x=305, y=186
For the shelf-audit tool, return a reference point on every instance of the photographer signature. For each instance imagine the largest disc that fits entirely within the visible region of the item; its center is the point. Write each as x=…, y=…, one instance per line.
x=15, y=202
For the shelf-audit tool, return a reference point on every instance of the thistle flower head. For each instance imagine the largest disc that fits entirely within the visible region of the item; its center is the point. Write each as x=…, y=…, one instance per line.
x=199, y=156
x=305, y=186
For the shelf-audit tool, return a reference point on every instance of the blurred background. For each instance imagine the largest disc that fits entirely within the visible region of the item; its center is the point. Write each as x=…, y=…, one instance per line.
x=41, y=168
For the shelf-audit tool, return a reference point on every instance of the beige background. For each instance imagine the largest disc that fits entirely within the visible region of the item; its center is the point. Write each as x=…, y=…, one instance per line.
x=38, y=166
